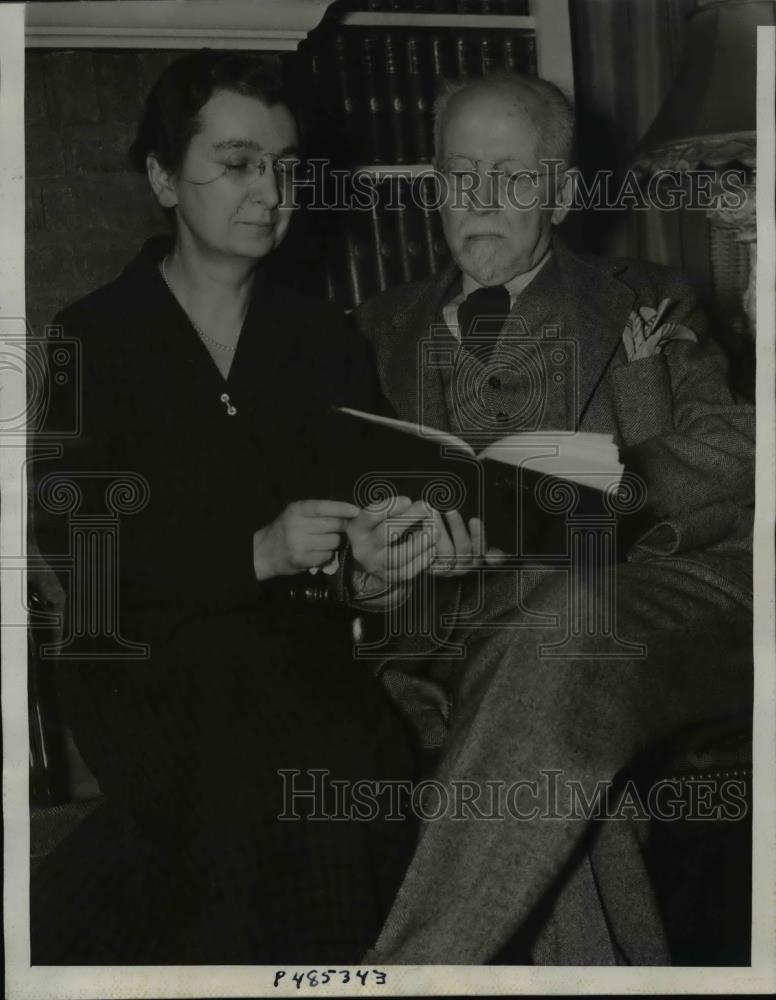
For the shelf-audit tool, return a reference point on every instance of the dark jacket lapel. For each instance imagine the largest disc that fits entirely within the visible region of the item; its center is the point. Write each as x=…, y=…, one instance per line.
x=582, y=295
x=413, y=351
x=595, y=307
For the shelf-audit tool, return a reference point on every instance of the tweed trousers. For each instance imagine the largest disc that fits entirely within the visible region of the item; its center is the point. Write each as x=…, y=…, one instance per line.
x=547, y=885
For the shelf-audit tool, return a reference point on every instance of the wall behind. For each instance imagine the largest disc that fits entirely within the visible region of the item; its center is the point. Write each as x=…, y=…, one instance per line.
x=87, y=211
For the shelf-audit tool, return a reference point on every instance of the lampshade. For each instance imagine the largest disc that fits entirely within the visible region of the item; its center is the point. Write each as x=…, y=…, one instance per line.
x=709, y=114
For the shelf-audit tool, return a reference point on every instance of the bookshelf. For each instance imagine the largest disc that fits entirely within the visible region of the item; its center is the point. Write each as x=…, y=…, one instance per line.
x=342, y=56
x=367, y=76
x=389, y=19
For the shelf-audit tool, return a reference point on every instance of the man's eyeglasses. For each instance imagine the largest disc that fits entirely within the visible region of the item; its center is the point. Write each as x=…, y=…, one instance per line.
x=461, y=170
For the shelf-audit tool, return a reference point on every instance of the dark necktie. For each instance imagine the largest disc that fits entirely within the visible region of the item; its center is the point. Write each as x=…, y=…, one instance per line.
x=480, y=318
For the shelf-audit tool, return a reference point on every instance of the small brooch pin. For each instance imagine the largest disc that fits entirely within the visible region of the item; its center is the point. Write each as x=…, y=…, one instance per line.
x=230, y=408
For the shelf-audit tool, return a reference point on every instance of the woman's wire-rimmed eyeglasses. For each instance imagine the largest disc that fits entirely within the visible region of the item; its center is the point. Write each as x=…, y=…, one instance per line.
x=286, y=170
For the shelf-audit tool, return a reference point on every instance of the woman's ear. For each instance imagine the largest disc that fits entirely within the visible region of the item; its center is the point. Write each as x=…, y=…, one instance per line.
x=564, y=195
x=162, y=183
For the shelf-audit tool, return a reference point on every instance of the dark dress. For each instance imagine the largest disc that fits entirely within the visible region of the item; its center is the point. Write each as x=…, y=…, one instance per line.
x=240, y=683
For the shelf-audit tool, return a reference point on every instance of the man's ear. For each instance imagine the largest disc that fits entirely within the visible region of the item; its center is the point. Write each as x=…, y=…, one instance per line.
x=162, y=183
x=564, y=195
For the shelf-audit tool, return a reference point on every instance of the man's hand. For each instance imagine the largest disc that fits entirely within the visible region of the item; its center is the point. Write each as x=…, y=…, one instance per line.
x=306, y=534
x=391, y=545
x=460, y=550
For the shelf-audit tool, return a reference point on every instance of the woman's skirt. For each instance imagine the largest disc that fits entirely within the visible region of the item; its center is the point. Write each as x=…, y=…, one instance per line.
x=255, y=780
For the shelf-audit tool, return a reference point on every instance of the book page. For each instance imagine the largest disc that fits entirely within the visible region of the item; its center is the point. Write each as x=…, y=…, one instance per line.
x=419, y=430
x=585, y=458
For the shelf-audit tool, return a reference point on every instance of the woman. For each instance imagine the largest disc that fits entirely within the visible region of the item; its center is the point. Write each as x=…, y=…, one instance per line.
x=204, y=377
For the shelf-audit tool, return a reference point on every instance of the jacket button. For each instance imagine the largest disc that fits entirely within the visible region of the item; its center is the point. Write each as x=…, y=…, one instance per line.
x=494, y=382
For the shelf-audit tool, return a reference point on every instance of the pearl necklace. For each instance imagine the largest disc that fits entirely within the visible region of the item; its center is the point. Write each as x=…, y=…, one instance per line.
x=210, y=340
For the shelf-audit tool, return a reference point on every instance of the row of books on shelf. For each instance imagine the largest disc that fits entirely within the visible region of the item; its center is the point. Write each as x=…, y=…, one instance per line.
x=512, y=7
x=373, y=249
x=380, y=87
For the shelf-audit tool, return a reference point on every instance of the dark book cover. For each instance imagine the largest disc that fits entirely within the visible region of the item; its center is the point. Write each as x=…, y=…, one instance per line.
x=519, y=52
x=442, y=65
x=410, y=238
x=488, y=57
x=509, y=57
x=463, y=47
x=344, y=87
x=524, y=505
x=335, y=276
x=435, y=250
x=418, y=105
x=360, y=271
x=375, y=124
x=529, y=61
x=384, y=246
x=396, y=101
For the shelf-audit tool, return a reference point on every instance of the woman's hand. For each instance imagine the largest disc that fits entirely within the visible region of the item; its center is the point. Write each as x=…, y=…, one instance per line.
x=391, y=545
x=306, y=534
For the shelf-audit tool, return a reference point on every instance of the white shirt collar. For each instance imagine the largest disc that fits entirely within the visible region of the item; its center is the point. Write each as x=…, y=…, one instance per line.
x=515, y=287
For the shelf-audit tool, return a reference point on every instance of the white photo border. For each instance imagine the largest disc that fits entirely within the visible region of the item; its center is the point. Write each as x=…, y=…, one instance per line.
x=24, y=982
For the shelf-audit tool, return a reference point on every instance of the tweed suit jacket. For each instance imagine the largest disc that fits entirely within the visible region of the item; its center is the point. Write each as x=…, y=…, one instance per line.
x=672, y=415
x=677, y=424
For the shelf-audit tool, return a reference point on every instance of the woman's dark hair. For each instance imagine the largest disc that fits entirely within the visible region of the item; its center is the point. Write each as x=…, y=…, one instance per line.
x=171, y=113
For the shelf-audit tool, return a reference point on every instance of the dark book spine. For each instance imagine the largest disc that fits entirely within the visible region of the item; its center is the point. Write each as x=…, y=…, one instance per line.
x=435, y=247
x=346, y=104
x=419, y=117
x=488, y=60
x=509, y=60
x=403, y=244
x=409, y=226
x=358, y=259
x=518, y=8
x=463, y=61
x=331, y=283
x=519, y=51
x=441, y=251
x=397, y=105
x=440, y=65
x=338, y=265
x=380, y=247
x=375, y=105
x=529, y=61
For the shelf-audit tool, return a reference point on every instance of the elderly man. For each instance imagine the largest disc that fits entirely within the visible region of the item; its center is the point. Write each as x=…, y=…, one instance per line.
x=537, y=704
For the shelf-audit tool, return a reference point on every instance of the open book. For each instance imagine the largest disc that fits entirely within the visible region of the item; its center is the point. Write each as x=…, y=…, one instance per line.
x=523, y=486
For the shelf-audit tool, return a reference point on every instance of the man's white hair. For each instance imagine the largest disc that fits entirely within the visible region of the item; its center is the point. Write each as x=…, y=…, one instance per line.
x=550, y=109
